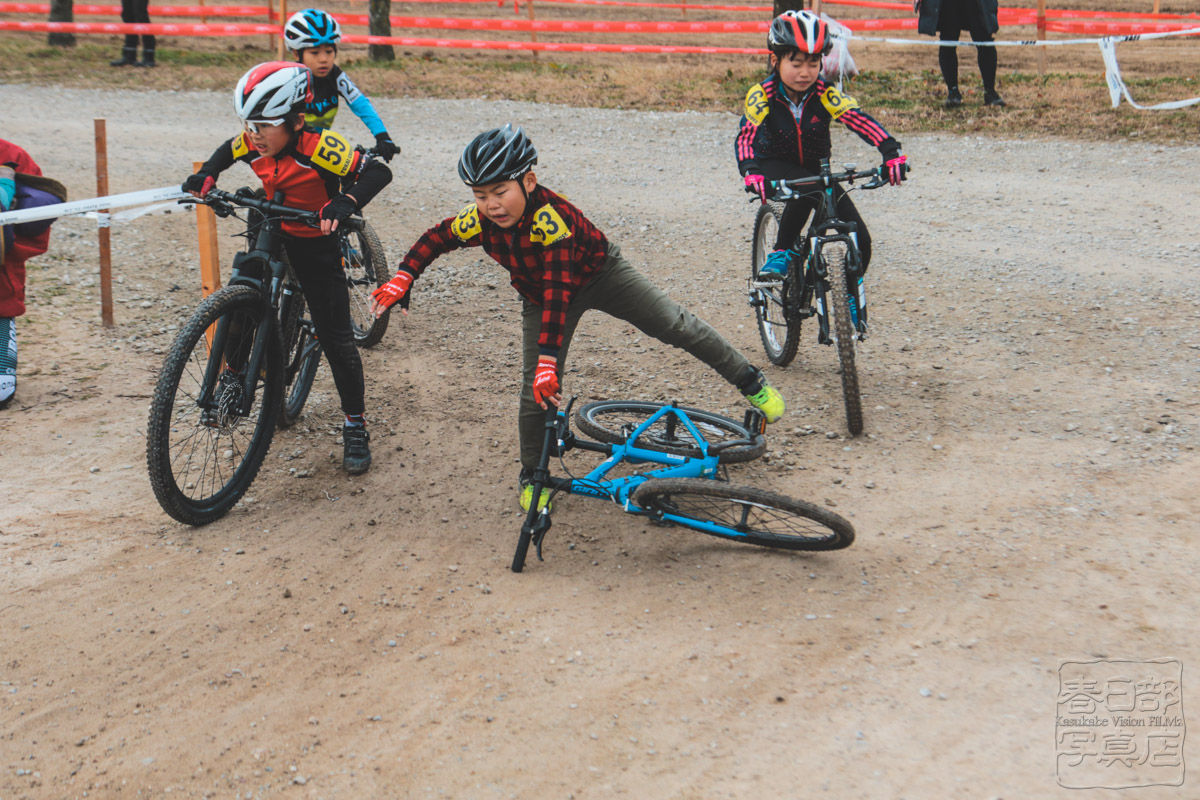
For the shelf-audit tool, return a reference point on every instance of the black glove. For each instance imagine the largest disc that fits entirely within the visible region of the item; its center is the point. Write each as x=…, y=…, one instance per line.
x=339, y=208
x=385, y=147
x=199, y=182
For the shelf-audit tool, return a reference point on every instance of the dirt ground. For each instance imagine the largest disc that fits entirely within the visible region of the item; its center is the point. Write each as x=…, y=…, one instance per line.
x=1024, y=495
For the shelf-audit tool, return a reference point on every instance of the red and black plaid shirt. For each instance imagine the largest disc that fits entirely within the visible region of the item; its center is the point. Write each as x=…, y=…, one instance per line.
x=552, y=251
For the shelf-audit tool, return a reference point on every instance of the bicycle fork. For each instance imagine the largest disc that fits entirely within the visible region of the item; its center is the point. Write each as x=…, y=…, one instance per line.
x=856, y=296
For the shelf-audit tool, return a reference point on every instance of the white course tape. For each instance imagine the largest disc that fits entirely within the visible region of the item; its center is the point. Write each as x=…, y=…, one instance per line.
x=1029, y=42
x=95, y=204
x=1117, y=87
x=1108, y=50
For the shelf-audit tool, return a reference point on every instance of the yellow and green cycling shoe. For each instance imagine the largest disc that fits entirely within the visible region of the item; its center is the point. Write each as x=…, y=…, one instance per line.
x=526, y=496
x=765, y=397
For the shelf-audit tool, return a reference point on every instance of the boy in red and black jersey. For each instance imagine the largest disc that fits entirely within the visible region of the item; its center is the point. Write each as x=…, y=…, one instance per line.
x=784, y=131
x=316, y=171
x=562, y=266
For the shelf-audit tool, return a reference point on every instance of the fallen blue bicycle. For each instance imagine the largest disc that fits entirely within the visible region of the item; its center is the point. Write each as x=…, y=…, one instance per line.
x=686, y=451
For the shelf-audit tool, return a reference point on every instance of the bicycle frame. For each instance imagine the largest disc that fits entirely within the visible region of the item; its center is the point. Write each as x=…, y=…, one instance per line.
x=827, y=228
x=559, y=439
x=269, y=277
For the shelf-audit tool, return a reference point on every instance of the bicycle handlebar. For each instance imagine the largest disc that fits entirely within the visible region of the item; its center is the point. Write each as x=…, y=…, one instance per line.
x=222, y=203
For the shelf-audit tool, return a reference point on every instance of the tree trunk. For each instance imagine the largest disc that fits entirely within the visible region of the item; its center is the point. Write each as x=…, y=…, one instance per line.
x=381, y=25
x=62, y=11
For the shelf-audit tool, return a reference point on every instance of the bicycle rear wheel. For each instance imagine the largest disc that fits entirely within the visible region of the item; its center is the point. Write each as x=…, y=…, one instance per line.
x=366, y=269
x=778, y=320
x=744, y=514
x=614, y=420
x=302, y=370
x=835, y=254
x=298, y=345
x=201, y=460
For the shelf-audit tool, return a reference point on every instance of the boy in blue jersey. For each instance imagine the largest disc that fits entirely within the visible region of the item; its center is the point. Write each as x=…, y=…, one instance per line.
x=313, y=36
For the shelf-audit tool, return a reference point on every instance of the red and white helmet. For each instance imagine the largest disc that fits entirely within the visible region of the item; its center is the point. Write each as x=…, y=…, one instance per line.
x=273, y=90
x=799, y=30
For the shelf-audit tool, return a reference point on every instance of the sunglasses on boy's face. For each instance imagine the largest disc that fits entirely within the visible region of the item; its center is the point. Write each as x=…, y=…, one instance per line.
x=252, y=125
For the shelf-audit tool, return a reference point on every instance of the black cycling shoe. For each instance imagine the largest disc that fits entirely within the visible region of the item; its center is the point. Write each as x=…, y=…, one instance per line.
x=953, y=98
x=356, y=453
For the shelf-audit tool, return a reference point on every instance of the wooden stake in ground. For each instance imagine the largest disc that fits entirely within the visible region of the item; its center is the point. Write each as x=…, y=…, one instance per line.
x=1041, y=35
x=103, y=232
x=532, y=33
x=210, y=259
x=282, y=21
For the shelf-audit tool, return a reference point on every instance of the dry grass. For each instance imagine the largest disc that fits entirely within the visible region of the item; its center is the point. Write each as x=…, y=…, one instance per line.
x=900, y=84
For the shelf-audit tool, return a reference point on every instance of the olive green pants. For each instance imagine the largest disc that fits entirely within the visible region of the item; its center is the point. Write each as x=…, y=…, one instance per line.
x=620, y=291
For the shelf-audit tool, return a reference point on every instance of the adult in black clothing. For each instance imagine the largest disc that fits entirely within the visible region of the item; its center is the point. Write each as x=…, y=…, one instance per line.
x=948, y=18
x=135, y=11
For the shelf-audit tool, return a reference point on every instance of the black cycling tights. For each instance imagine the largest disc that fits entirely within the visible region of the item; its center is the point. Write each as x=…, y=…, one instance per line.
x=796, y=212
x=948, y=56
x=317, y=263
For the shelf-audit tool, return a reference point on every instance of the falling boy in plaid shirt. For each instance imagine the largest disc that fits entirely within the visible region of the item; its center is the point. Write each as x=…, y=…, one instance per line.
x=561, y=265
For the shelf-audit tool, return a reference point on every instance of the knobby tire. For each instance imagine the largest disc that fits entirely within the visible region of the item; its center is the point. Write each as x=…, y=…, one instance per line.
x=745, y=514
x=775, y=309
x=834, y=255
x=613, y=420
x=200, y=466
x=366, y=269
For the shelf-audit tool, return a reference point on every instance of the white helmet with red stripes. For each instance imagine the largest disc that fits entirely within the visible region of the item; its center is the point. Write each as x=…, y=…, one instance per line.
x=799, y=30
x=273, y=90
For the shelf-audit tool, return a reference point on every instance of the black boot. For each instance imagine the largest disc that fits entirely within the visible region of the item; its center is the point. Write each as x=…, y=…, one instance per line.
x=147, y=58
x=356, y=453
x=128, y=57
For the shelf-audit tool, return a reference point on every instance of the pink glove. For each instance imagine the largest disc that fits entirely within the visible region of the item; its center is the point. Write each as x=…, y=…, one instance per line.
x=895, y=169
x=757, y=184
x=393, y=290
x=545, y=380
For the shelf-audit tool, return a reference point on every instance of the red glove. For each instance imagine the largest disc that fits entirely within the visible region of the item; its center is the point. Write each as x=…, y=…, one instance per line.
x=393, y=290
x=895, y=169
x=757, y=184
x=545, y=380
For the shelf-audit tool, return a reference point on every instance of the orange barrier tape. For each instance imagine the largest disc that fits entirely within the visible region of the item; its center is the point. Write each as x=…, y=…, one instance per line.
x=549, y=47
x=159, y=11
x=1116, y=28
x=156, y=28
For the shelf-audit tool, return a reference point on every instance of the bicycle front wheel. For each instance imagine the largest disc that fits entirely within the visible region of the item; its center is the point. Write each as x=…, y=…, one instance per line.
x=834, y=254
x=744, y=514
x=614, y=420
x=203, y=449
x=777, y=317
x=366, y=269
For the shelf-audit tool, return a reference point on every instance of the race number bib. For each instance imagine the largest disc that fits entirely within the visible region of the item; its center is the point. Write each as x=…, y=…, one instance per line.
x=333, y=153
x=548, y=227
x=240, y=146
x=466, y=224
x=756, y=104
x=837, y=103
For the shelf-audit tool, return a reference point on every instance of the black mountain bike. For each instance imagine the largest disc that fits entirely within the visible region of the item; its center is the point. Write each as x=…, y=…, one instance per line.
x=823, y=258
x=242, y=364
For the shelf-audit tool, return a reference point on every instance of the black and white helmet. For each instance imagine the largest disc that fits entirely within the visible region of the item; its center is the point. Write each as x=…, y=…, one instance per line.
x=799, y=30
x=500, y=154
x=311, y=27
x=272, y=91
